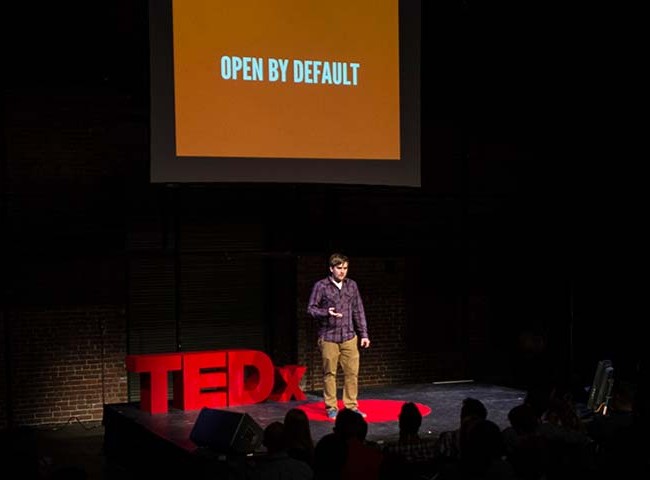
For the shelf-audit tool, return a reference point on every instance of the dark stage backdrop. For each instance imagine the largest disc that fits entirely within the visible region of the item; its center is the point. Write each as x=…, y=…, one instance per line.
x=496, y=267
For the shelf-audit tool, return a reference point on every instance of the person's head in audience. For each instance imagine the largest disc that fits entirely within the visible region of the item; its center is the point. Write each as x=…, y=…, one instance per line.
x=473, y=407
x=410, y=420
x=523, y=419
x=481, y=444
x=330, y=455
x=274, y=439
x=562, y=412
x=350, y=424
x=297, y=430
x=297, y=427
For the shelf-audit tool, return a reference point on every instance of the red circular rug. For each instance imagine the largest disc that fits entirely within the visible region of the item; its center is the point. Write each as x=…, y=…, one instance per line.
x=376, y=410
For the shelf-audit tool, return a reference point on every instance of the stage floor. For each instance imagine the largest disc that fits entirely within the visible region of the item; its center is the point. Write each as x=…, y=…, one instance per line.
x=148, y=438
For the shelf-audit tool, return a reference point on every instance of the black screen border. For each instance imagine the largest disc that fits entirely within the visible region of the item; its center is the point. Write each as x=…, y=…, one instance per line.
x=166, y=167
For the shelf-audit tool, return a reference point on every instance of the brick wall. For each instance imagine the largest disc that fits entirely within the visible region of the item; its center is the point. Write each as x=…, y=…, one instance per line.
x=394, y=357
x=64, y=365
x=70, y=154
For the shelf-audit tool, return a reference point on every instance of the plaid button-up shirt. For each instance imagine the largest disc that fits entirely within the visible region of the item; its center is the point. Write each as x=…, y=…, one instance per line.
x=347, y=301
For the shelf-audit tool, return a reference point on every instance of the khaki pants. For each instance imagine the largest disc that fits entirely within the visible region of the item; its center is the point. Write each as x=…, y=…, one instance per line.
x=347, y=353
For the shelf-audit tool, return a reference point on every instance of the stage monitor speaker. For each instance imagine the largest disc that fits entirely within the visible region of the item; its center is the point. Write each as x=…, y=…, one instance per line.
x=226, y=432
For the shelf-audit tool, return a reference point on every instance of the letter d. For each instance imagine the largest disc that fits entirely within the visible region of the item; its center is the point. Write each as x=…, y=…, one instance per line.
x=298, y=71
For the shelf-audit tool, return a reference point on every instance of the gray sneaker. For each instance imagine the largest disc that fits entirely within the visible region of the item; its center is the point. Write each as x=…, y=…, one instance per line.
x=359, y=412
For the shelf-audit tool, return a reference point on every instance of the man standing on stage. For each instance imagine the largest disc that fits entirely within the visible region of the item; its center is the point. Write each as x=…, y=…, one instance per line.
x=335, y=303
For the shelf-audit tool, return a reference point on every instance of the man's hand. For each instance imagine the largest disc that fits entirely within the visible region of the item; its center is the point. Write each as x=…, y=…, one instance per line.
x=365, y=342
x=332, y=312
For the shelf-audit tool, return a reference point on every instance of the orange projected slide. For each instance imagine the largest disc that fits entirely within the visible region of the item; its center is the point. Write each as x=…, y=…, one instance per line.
x=287, y=79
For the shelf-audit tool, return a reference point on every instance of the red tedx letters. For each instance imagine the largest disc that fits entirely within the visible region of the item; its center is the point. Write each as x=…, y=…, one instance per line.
x=214, y=378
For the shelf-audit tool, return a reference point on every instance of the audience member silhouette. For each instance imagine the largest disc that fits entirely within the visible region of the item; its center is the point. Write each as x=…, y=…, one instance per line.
x=300, y=443
x=538, y=398
x=447, y=447
x=482, y=454
x=277, y=464
x=525, y=447
x=411, y=455
x=569, y=448
x=330, y=455
x=562, y=411
x=363, y=460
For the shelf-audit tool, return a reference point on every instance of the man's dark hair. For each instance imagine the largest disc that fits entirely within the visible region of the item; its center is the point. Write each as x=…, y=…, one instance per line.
x=338, y=259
